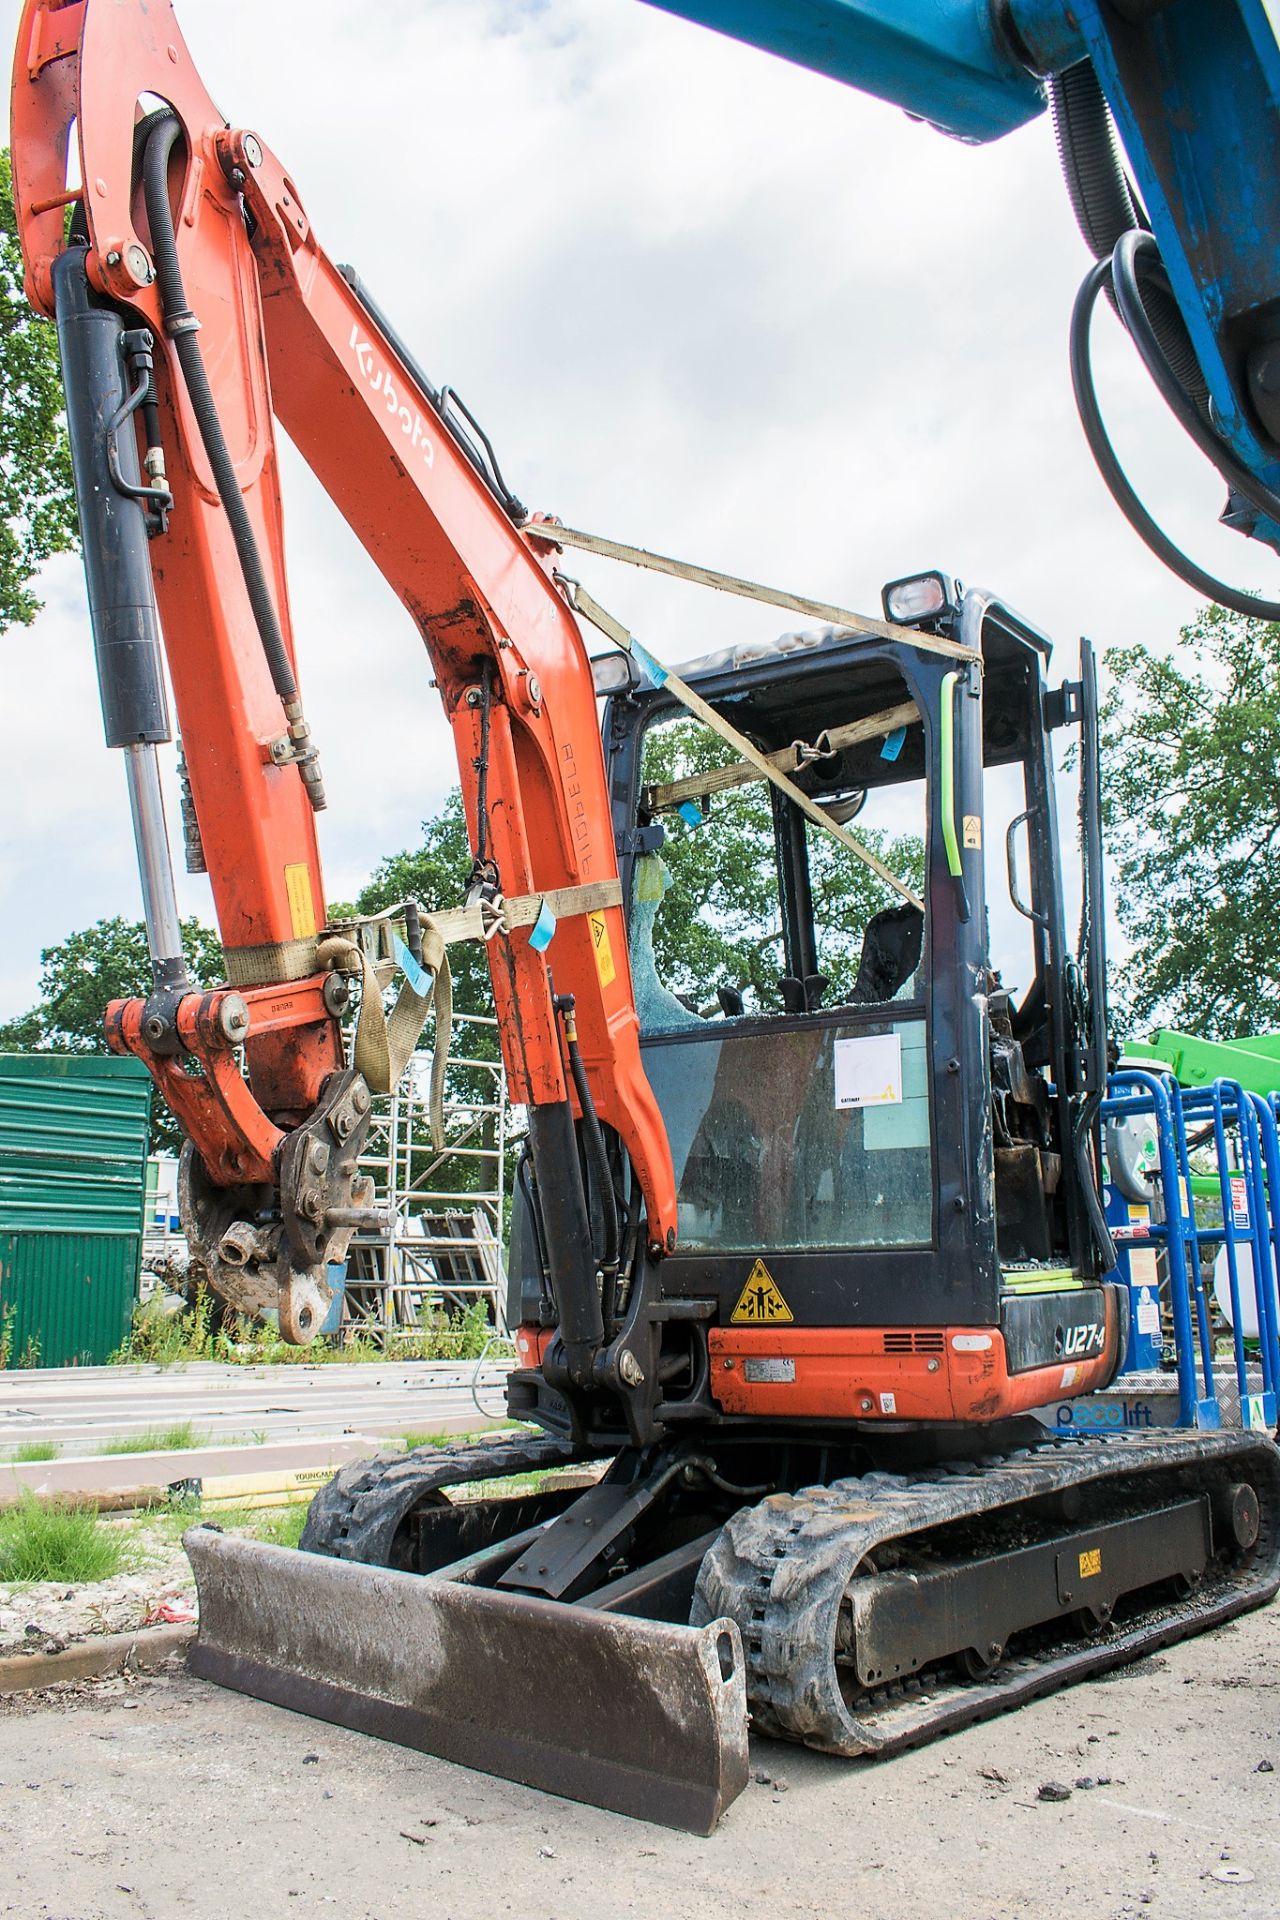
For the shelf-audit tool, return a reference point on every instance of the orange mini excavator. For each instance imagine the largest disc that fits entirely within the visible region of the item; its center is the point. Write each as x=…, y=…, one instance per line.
x=791, y=1264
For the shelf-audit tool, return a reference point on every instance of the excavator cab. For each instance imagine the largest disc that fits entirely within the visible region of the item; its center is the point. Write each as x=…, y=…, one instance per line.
x=822, y=1508
x=888, y=1207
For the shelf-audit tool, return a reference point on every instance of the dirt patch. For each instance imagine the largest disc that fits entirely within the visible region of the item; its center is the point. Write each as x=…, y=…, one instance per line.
x=42, y=1617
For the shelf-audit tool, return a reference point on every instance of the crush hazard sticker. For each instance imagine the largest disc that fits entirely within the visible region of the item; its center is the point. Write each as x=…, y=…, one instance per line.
x=602, y=948
x=760, y=1304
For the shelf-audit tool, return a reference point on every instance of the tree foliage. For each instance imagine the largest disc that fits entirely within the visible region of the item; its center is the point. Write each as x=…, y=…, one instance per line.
x=107, y=961
x=720, y=923
x=37, y=504
x=1191, y=782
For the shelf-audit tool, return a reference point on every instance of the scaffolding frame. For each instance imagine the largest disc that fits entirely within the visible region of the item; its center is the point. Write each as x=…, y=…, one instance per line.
x=443, y=1247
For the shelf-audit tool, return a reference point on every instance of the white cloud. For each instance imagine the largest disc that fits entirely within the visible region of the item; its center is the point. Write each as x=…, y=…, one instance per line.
x=702, y=301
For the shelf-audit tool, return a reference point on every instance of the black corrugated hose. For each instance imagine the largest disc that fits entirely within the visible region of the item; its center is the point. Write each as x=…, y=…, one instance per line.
x=1130, y=273
x=182, y=328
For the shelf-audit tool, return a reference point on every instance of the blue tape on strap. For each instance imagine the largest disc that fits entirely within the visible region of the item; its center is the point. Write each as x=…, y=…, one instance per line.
x=893, y=744
x=543, y=929
x=418, y=977
x=690, y=812
x=656, y=672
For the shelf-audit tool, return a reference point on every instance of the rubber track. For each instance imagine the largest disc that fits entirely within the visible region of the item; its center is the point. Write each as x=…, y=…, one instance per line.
x=358, y=1514
x=781, y=1569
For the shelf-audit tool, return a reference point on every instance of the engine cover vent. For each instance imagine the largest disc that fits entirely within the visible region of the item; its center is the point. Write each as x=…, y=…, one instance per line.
x=913, y=1340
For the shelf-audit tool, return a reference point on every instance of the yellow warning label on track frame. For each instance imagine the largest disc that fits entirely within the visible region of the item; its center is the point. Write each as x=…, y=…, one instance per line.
x=603, y=948
x=760, y=1304
x=1091, y=1563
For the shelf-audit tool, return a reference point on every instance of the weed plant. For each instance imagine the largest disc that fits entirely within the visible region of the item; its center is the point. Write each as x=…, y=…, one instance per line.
x=40, y=1541
x=177, y=1339
x=279, y=1526
x=182, y=1435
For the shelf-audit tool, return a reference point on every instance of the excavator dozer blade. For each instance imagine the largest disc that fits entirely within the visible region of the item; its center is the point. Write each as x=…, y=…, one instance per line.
x=639, y=1716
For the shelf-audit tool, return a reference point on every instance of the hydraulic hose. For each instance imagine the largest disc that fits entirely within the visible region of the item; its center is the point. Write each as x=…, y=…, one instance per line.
x=1117, y=481
x=1133, y=250
x=1086, y=142
x=1131, y=274
x=1106, y=207
x=182, y=327
x=597, y=1153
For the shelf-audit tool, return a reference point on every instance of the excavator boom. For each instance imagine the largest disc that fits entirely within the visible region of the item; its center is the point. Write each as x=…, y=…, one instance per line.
x=193, y=235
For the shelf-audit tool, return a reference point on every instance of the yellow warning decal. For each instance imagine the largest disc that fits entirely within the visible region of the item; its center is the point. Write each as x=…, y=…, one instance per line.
x=1090, y=1563
x=302, y=911
x=603, y=950
x=760, y=1304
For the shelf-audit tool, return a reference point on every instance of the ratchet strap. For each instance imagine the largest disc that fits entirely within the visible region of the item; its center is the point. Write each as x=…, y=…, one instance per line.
x=747, y=589
x=764, y=764
x=384, y=1041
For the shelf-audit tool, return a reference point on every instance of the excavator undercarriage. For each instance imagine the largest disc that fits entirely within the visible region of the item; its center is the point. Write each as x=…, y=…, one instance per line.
x=859, y=1615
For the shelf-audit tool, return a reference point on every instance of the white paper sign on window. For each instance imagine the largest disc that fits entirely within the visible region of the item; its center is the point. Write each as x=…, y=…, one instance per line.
x=868, y=1071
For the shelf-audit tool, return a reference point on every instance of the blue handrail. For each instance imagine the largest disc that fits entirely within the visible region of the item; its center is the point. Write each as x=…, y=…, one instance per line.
x=1244, y=1129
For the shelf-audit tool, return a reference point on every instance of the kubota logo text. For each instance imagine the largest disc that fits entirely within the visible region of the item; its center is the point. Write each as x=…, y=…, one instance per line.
x=378, y=377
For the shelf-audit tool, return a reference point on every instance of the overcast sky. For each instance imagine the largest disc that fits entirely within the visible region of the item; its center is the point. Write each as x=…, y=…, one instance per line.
x=702, y=301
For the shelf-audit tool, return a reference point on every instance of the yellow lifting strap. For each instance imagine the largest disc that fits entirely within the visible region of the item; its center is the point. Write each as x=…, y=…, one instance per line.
x=762, y=762
x=698, y=786
x=384, y=1041
x=749, y=590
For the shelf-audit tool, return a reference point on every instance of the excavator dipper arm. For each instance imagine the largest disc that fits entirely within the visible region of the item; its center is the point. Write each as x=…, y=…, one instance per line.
x=191, y=232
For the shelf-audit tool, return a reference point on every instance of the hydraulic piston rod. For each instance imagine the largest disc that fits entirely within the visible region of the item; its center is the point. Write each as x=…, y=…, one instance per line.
x=155, y=861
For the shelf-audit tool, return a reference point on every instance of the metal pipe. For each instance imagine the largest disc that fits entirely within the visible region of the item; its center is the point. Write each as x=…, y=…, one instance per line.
x=155, y=862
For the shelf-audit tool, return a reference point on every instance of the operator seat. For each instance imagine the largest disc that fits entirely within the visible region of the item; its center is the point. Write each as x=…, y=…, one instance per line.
x=891, y=949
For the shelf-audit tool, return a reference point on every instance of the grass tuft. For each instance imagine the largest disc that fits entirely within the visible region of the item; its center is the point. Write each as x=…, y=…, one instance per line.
x=31, y=1450
x=414, y=1439
x=278, y=1526
x=50, y=1542
x=175, y=1439
x=170, y=1339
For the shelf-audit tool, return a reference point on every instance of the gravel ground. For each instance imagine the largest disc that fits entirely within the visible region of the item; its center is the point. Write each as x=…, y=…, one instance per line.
x=45, y=1616
x=167, y=1797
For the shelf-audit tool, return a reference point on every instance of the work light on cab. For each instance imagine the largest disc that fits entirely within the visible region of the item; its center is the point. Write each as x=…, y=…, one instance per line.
x=919, y=598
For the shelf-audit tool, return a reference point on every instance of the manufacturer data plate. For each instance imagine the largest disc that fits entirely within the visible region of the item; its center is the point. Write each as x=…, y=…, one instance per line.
x=763, y=1372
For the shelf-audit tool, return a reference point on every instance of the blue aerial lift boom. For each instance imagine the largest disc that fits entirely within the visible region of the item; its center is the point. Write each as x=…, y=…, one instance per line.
x=1186, y=245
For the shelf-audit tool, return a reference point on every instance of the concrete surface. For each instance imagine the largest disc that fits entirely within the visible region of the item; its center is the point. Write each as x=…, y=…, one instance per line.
x=142, y=1476
x=167, y=1797
x=105, y=1653
x=81, y=1408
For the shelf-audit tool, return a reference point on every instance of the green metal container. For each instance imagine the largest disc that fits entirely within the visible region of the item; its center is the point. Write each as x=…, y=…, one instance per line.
x=74, y=1131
